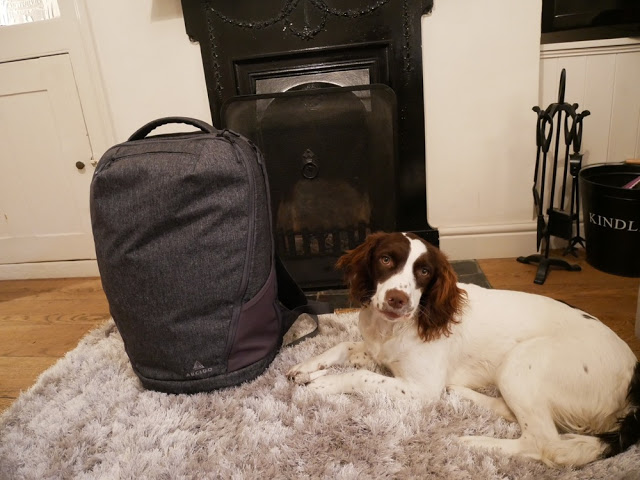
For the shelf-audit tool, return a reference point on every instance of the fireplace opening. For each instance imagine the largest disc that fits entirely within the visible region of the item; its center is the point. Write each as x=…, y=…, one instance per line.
x=331, y=155
x=332, y=94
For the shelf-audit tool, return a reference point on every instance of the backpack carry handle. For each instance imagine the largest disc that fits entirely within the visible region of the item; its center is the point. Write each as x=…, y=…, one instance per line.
x=149, y=127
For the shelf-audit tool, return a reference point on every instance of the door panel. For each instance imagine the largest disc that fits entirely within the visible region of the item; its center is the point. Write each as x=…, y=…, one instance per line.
x=44, y=198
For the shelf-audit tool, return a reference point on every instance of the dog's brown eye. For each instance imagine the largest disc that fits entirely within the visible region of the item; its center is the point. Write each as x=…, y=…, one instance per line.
x=424, y=271
x=385, y=259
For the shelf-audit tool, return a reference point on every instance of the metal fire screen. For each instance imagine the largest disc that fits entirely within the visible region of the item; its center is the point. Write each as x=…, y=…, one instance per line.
x=330, y=155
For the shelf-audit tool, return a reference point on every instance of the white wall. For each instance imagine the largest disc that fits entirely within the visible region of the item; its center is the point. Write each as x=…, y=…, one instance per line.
x=149, y=68
x=481, y=68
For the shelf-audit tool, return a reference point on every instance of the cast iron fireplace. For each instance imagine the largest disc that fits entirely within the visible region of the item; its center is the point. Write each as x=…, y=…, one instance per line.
x=331, y=91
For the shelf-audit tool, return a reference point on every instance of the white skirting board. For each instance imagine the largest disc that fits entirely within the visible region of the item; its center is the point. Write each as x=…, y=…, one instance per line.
x=488, y=245
x=75, y=268
x=493, y=241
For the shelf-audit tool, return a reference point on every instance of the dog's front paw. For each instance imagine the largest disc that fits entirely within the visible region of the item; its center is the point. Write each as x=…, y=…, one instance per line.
x=470, y=441
x=304, y=373
x=479, y=442
x=326, y=385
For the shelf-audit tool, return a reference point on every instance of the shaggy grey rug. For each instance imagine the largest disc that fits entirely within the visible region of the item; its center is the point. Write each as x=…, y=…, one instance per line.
x=87, y=417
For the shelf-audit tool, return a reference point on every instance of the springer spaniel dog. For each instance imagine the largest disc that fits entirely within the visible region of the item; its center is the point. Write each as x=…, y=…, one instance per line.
x=557, y=368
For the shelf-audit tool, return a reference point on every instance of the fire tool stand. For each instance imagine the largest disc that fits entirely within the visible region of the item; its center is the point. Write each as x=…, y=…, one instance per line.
x=558, y=221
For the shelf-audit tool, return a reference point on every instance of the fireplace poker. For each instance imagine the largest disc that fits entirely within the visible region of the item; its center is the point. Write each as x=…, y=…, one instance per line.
x=576, y=165
x=539, y=142
x=545, y=139
x=552, y=109
x=568, y=139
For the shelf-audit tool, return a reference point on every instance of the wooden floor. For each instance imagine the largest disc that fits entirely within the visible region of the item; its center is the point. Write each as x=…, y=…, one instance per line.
x=41, y=320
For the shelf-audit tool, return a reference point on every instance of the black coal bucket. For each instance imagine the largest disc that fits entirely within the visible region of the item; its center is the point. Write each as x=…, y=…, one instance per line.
x=611, y=217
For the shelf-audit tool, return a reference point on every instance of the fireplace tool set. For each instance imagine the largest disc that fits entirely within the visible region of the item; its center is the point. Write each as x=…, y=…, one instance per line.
x=559, y=221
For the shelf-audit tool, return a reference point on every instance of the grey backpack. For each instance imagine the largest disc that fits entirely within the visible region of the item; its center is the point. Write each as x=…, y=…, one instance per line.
x=183, y=236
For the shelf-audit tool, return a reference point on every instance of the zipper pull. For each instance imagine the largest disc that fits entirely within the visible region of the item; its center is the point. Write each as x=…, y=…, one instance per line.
x=228, y=134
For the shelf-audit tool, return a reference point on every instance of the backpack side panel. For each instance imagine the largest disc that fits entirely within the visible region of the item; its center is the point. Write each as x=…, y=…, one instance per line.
x=257, y=330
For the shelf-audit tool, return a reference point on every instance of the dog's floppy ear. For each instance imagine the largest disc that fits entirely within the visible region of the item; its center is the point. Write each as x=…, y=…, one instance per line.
x=356, y=265
x=442, y=301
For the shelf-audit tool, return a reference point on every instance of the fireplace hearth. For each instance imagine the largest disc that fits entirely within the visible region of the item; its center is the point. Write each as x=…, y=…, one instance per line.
x=332, y=94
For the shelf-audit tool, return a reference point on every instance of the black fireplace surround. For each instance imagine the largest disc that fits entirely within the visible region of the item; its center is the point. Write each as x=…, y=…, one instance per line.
x=361, y=61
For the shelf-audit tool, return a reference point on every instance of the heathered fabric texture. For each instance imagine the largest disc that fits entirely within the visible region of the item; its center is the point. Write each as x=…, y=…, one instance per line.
x=182, y=228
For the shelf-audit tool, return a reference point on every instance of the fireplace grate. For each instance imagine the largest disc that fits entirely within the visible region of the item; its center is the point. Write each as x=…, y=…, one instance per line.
x=307, y=243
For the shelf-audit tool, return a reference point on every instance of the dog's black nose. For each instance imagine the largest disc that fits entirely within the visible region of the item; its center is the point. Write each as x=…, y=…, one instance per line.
x=396, y=299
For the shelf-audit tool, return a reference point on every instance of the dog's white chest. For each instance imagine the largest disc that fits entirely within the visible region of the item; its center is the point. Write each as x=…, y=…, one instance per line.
x=382, y=339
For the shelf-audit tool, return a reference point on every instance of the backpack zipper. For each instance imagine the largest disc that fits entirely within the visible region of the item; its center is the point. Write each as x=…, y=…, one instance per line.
x=239, y=154
x=252, y=217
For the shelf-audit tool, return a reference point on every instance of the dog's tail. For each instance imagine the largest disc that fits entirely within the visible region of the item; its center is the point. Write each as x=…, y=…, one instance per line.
x=576, y=450
x=628, y=433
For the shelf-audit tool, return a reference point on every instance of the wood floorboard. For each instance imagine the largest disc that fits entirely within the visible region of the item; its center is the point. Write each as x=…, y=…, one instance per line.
x=19, y=373
x=41, y=320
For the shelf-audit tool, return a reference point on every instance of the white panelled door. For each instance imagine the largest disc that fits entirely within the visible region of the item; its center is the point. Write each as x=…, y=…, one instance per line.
x=45, y=163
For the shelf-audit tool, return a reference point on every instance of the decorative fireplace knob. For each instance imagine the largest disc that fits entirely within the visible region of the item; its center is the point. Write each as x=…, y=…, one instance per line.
x=309, y=165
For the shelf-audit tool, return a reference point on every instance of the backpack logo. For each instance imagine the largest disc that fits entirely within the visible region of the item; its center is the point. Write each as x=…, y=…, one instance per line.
x=198, y=369
x=197, y=366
